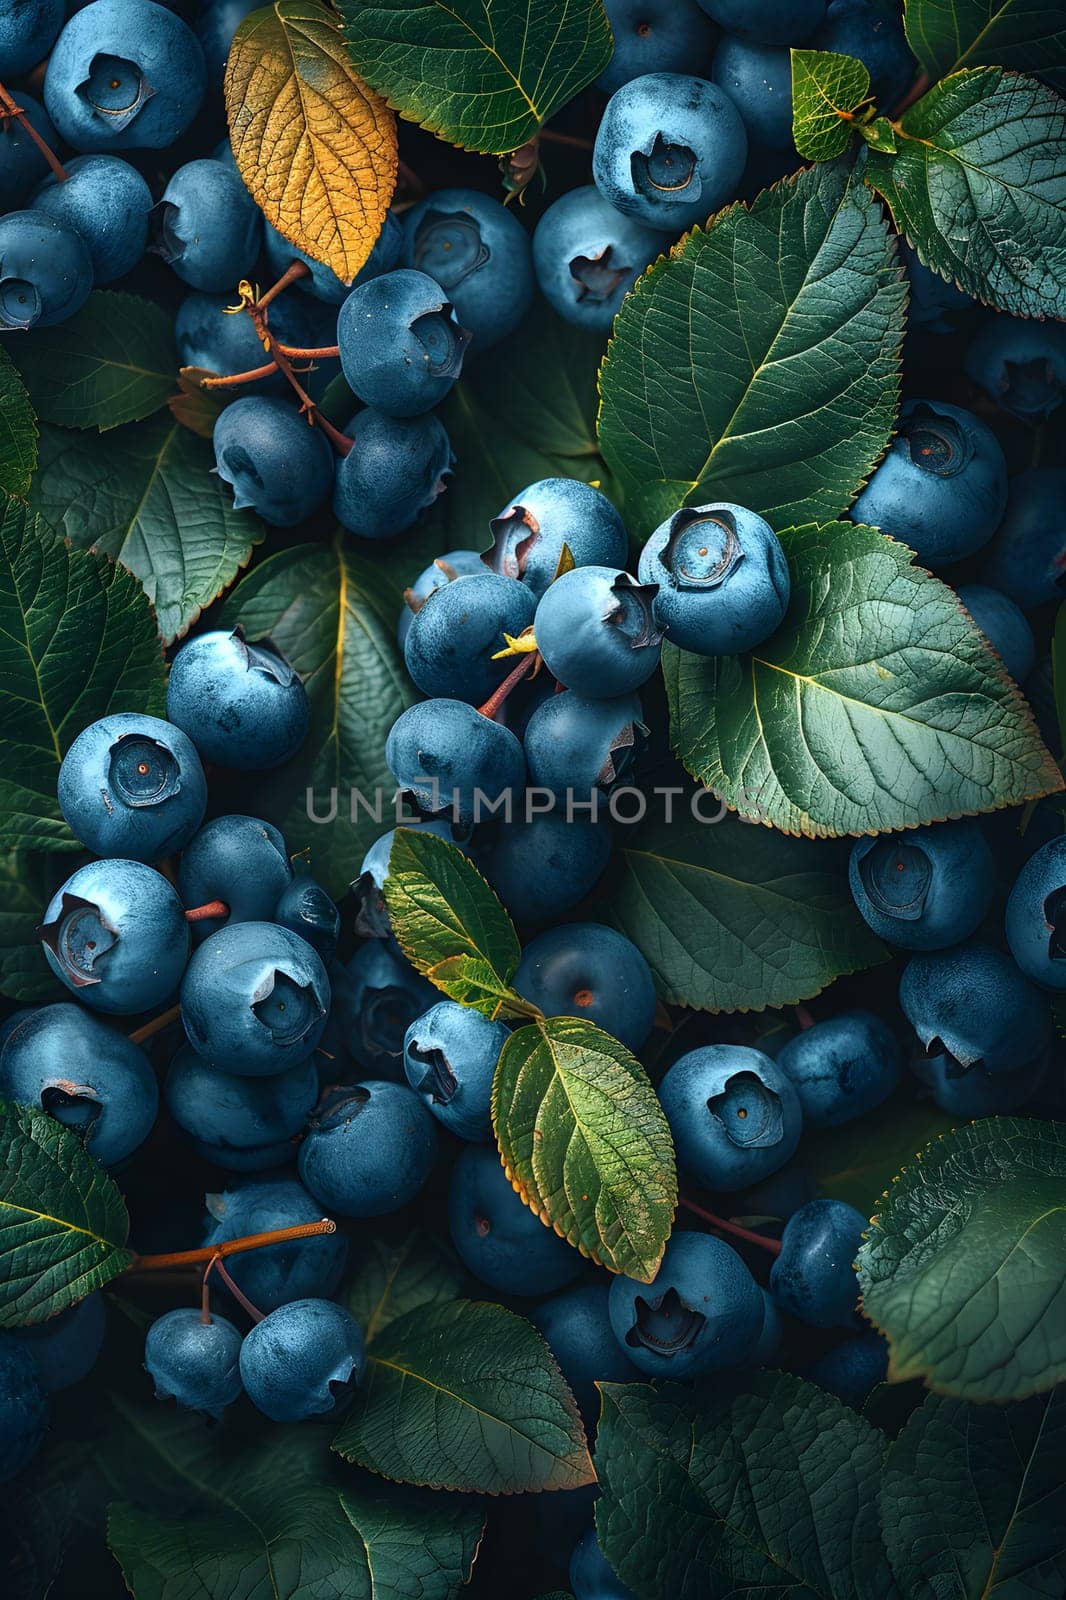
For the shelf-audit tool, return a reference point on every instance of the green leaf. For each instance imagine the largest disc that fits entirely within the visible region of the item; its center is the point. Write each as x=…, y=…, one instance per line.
x=466, y=1396
x=333, y=616
x=964, y=1269
x=27, y=883
x=148, y=497
x=734, y=918
x=77, y=641
x=113, y=361
x=585, y=1142
x=451, y=926
x=63, y=1223
x=973, y=1500
x=876, y=705
x=389, y=1282
x=759, y=362
x=221, y=1514
x=827, y=90
x=858, y=1162
x=756, y=1485
x=978, y=186
x=18, y=430
x=1026, y=35
x=480, y=76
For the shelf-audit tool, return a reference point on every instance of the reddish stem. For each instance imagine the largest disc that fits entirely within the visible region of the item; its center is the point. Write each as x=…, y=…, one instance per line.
x=325, y=352
x=915, y=92
x=205, y=1292
x=292, y=274
x=803, y=1017
x=157, y=1024
x=237, y=1293
x=231, y=1247
x=515, y=676
x=228, y=379
x=410, y=180
x=723, y=1225
x=10, y=108
x=212, y=908
x=571, y=139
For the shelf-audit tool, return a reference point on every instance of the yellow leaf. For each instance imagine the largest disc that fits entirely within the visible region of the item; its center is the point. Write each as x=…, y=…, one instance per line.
x=315, y=146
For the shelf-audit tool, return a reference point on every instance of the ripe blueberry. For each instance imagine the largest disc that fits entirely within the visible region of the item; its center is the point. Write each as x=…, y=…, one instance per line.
x=529, y=534
x=449, y=1056
x=132, y=786
x=584, y=969
x=702, y=1311
x=479, y=254
x=587, y=257
x=497, y=1237
x=369, y=1149
x=116, y=935
x=733, y=1112
x=302, y=1360
x=240, y=701
x=925, y=888
x=723, y=581
x=194, y=1362
x=255, y=998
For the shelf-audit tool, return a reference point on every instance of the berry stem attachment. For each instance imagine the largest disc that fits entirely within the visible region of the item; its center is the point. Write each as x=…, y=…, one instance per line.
x=9, y=108
x=571, y=139
x=237, y=1293
x=292, y=274
x=495, y=701
x=227, y=380
x=231, y=1247
x=803, y=1017
x=733, y=1229
x=157, y=1024
x=326, y=352
x=211, y=908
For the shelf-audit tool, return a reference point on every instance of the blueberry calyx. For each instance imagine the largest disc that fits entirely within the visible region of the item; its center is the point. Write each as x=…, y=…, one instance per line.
x=163, y=232
x=597, y=277
x=75, y=1105
x=263, y=655
x=666, y=1325
x=78, y=936
x=1055, y=921
x=339, y=1108
x=438, y=1080
x=666, y=168
x=749, y=1112
x=936, y=443
x=514, y=533
x=633, y=615
x=20, y=304
x=449, y=247
x=443, y=341
x=286, y=1008
x=897, y=878
x=703, y=549
x=621, y=754
x=114, y=79
x=142, y=771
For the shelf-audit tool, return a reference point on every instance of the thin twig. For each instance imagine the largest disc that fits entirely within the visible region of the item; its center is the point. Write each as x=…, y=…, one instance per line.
x=734, y=1229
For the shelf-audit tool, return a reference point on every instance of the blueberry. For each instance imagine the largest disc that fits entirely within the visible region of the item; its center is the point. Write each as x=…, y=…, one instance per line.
x=239, y=700
x=207, y=337
x=401, y=344
x=275, y=462
x=497, y=1237
x=971, y=1092
x=241, y=861
x=27, y=31
x=529, y=534
x=255, y=998
x=116, y=935
x=758, y=80
x=450, y=758
x=814, y=1278
x=372, y=919
x=1036, y=916
x=321, y=281
x=974, y=1005
x=577, y=1326
x=574, y=745
x=588, y=256
x=46, y=271
x=1027, y=557
x=852, y=1369
x=925, y=888
x=23, y=1407
x=869, y=31
x=1021, y=365
x=702, y=1311
x=194, y=1362
x=591, y=1575
x=305, y=908
x=942, y=486
x=767, y=21
x=441, y=570
x=207, y=226
x=216, y=23
x=276, y=1273
x=124, y=75
x=766, y=1347
x=842, y=1068
x=226, y=1112
x=723, y=579
x=369, y=1149
x=670, y=150
x=584, y=969
x=1004, y=625
x=544, y=865
x=395, y=470
x=132, y=786
x=303, y=1360
x=479, y=254
x=597, y=633
x=107, y=202
x=22, y=166
x=734, y=1115
x=655, y=36
x=112, y=1100
x=449, y=1056
x=65, y=1347
x=934, y=304
x=453, y=637
x=382, y=996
